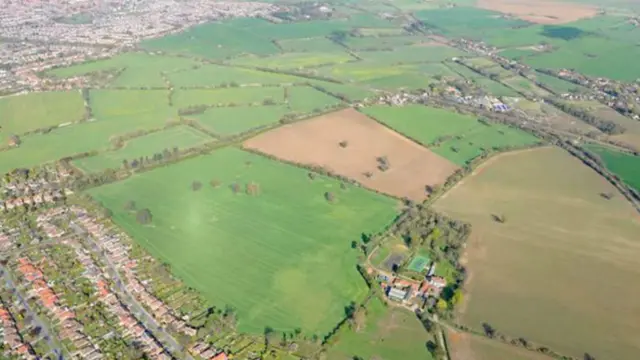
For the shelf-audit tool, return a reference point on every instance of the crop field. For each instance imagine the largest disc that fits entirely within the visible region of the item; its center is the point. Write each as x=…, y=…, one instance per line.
x=318, y=44
x=350, y=144
x=226, y=121
x=217, y=75
x=466, y=347
x=237, y=96
x=458, y=138
x=21, y=114
x=626, y=166
x=541, y=11
x=552, y=116
x=554, y=225
x=390, y=333
x=295, y=60
x=411, y=54
x=183, y=137
x=251, y=238
x=305, y=99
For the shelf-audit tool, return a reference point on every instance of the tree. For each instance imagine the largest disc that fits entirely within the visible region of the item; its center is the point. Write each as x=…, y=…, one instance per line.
x=130, y=205
x=14, y=140
x=343, y=143
x=435, y=350
x=312, y=175
x=588, y=356
x=488, y=330
x=143, y=216
x=329, y=196
x=107, y=213
x=196, y=185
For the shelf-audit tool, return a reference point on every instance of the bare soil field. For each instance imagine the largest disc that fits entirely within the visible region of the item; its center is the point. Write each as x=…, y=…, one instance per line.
x=351, y=144
x=560, y=270
x=463, y=346
x=541, y=12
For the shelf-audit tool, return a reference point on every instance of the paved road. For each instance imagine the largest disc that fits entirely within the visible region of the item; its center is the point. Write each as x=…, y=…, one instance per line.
x=149, y=322
x=36, y=320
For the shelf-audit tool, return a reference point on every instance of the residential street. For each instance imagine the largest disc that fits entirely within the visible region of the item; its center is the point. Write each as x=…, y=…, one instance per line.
x=46, y=332
x=141, y=313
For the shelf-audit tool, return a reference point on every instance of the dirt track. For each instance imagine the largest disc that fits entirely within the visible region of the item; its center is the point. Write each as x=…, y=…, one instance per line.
x=540, y=11
x=317, y=142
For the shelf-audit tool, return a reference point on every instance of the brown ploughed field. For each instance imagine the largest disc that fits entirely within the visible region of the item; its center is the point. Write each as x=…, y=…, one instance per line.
x=351, y=144
x=541, y=11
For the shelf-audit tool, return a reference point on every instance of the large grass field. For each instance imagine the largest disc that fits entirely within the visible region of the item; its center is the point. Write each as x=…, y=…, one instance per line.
x=390, y=333
x=217, y=75
x=20, y=114
x=228, y=96
x=183, y=137
x=465, y=136
x=560, y=270
x=295, y=60
x=138, y=69
x=281, y=258
x=318, y=44
x=227, y=121
x=626, y=166
x=411, y=54
x=305, y=99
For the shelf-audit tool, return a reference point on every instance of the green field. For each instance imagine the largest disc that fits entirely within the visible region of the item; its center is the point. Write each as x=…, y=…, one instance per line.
x=236, y=96
x=21, y=114
x=183, y=137
x=305, y=99
x=526, y=86
x=318, y=44
x=464, y=137
x=217, y=75
x=350, y=92
x=558, y=86
x=281, y=258
x=411, y=54
x=390, y=334
x=368, y=43
x=561, y=254
x=227, y=121
x=626, y=166
x=295, y=60
x=138, y=69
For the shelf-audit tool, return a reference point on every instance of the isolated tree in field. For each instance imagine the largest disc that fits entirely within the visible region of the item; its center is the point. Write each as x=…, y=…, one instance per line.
x=14, y=140
x=368, y=174
x=215, y=183
x=499, y=218
x=383, y=163
x=143, y=216
x=196, y=185
x=607, y=195
x=329, y=196
x=343, y=143
x=489, y=331
x=252, y=189
x=130, y=205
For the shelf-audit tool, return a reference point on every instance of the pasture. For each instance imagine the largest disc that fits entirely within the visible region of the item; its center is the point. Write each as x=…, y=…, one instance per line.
x=226, y=121
x=626, y=166
x=423, y=53
x=25, y=113
x=183, y=137
x=138, y=69
x=557, y=85
x=631, y=135
x=305, y=99
x=236, y=248
x=368, y=43
x=564, y=253
x=183, y=98
x=342, y=91
x=295, y=60
x=456, y=137
x=389, y=333
x=318, y=44
x=348, y=143
x=217, y=76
